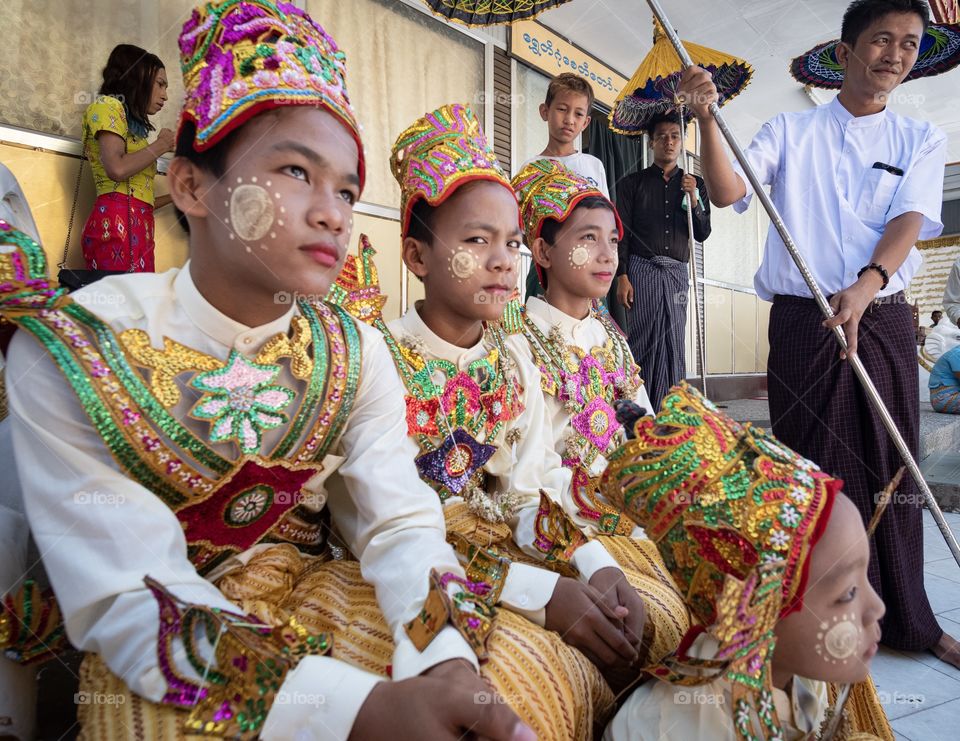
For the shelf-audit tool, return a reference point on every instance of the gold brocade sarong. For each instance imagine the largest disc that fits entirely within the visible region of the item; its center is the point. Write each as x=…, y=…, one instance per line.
x=865, y=711
x=639, y=559
x=551, y=686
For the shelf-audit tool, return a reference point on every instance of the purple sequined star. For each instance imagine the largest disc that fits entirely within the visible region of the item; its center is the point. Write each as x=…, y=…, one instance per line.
x=455, y=461
x=597, y=422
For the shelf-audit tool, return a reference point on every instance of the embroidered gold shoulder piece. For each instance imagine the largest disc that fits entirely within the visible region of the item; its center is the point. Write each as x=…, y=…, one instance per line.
x=166, y=364
x=294, y=347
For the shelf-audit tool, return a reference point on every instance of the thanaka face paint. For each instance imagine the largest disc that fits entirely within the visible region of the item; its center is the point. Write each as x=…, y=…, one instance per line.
x=579, y=256
x=463, y=264
x=838, y=642
x=251, y=212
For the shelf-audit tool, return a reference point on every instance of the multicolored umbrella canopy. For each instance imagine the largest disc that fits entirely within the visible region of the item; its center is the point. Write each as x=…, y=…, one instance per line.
x=653, y=88
x=939, y=52
x=491, y=12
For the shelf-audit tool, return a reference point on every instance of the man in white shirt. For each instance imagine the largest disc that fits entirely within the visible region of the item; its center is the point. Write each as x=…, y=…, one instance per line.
x=857, y=185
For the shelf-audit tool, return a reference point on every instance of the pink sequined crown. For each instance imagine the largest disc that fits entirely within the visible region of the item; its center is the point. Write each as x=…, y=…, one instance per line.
x=439, y=153
x=241, y=57
x=547, y=189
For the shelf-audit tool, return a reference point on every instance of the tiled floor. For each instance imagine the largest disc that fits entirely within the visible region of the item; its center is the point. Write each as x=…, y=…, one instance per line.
x=920, y=693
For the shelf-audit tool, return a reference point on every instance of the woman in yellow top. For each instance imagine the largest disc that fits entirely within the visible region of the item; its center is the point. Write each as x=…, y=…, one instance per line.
x=118, y=234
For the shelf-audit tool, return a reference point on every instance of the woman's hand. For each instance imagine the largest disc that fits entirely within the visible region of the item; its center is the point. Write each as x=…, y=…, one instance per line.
x=166, y=142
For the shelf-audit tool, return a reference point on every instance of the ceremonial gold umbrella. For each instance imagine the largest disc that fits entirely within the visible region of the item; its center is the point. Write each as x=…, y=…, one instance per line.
x=653, y=88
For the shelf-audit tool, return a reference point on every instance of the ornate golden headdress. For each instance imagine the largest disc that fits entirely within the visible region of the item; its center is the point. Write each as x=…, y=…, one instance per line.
x=437, y=154
x=735, y=515
x=241, y=57
x=548, y=189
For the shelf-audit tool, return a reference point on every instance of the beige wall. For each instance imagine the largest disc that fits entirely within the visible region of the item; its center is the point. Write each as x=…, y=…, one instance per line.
x=736, y=331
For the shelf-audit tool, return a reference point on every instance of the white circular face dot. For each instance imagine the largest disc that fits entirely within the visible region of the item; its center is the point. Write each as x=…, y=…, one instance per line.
x=273, y=235
x=842, y=640
x=280, y=222
x=239, y=180
x=232, y=236
x=283, y=210
x=463, y=264
x=579, y=256
x=269, y=183
x=251, y=211
x=277, y=196
x=253, y=179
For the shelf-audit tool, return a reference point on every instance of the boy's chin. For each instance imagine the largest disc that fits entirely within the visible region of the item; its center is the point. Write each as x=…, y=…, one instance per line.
x=486, y=310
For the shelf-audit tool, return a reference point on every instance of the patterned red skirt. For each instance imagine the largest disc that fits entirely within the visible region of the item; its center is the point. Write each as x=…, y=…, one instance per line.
x=119, y=228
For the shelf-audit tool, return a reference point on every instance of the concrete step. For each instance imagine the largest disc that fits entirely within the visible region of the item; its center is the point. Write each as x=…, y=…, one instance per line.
x=942, y=473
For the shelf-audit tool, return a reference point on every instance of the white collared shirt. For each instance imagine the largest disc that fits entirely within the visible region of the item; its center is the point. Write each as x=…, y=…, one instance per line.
x=524, y=469
x=819, y=165
x=97, y=551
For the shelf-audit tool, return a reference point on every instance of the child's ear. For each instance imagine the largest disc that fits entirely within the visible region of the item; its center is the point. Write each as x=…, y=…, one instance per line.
x=586, y=122
x=411, y=250
x=544, y=111
x=541, y=252
x=188, y=186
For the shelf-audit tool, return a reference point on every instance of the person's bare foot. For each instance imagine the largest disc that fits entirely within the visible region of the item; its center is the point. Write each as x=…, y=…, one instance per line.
x=948, y=650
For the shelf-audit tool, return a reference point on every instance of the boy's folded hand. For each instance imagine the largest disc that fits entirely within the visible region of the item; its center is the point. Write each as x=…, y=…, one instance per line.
x=579, y=613
x=623, y=601
x=449, y=702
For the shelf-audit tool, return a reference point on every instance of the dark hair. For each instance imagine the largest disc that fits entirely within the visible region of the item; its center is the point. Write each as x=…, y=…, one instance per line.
x=569, y=82
x=861, y=13
x=129, y=76
x=662, y=118
x=551, y=227
x=212, y=160
x=421, y=222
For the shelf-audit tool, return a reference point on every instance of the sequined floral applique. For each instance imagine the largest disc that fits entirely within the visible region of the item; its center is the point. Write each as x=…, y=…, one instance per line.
x=240, y=401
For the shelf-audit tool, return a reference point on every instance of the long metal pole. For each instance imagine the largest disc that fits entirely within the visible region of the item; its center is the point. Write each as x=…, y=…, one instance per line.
x=818, y=296
x=701, y=353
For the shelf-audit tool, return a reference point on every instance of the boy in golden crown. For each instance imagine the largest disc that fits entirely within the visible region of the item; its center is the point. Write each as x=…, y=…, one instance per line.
x=173, y=441
x=477, y=415
x=772, y=558
x=586, y=368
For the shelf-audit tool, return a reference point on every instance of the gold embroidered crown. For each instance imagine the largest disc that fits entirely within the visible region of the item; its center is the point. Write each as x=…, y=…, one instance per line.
x=719, y=498
x=548, y=189
x=735, y=515
x=437, y=154
x=241, y=57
